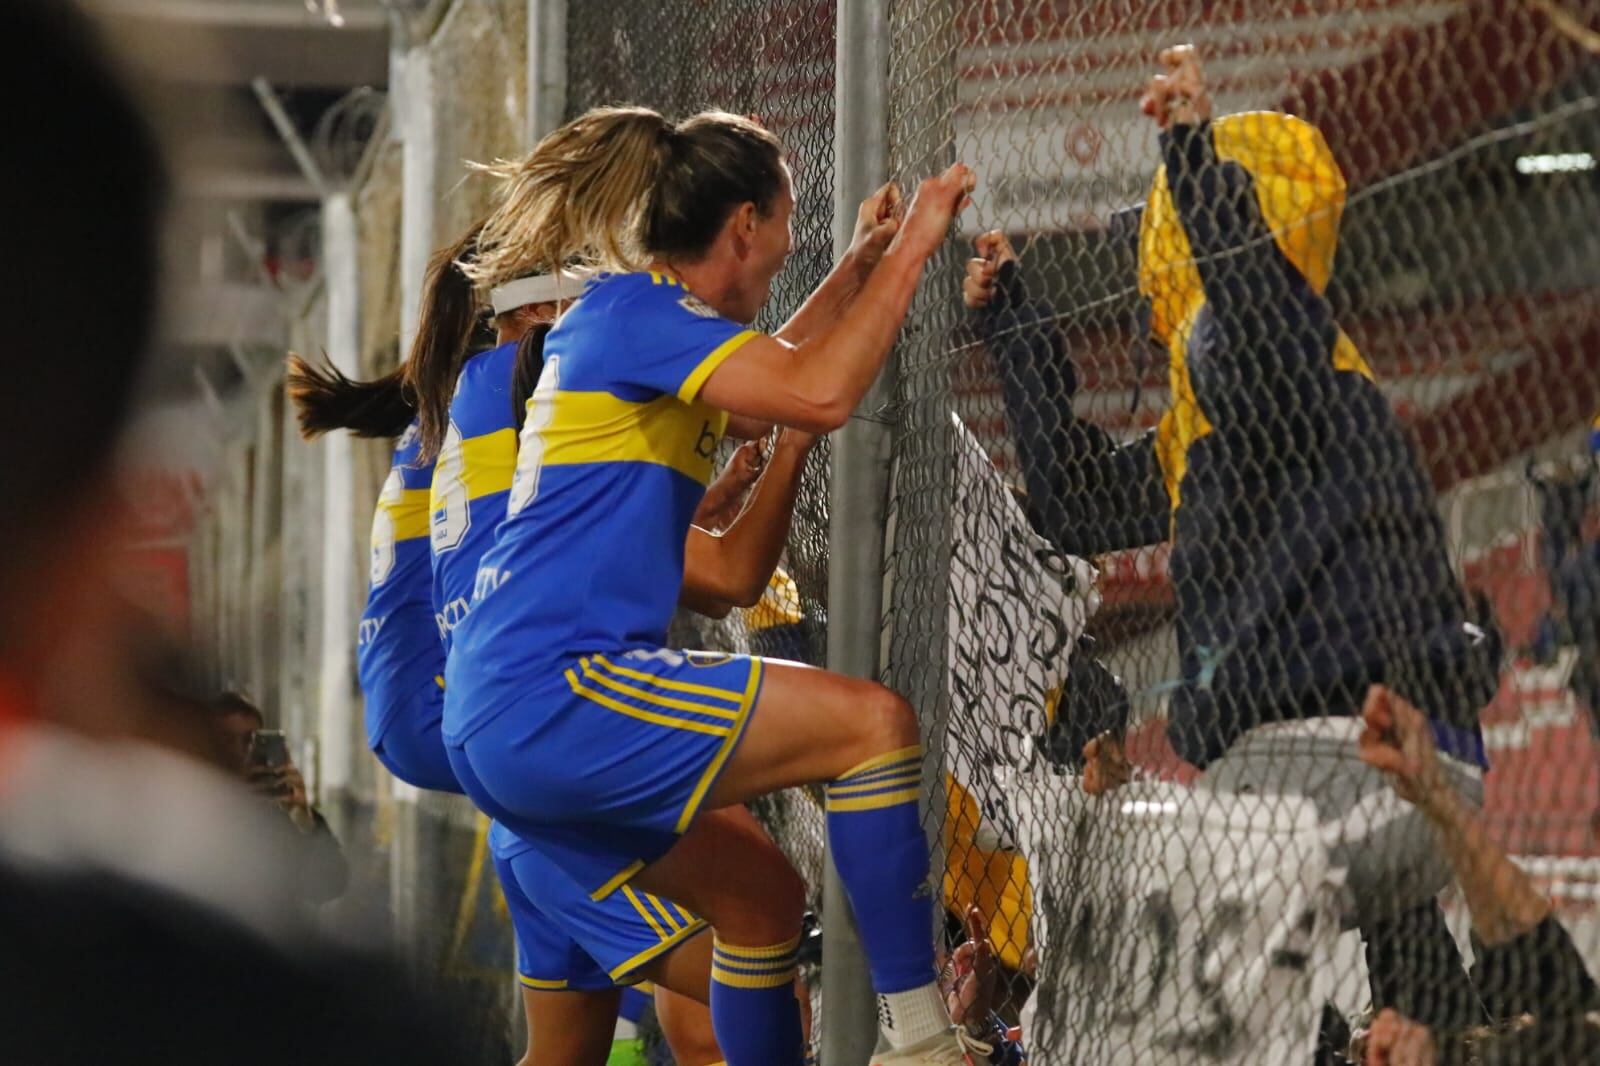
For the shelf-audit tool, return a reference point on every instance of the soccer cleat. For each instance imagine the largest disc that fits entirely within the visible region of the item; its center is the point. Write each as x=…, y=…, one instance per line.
x=953, y=1047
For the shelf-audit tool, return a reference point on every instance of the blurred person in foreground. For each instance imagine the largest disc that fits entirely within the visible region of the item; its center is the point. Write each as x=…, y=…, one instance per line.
x=1525, y=965
x=264, y=763
x=143, y=913
x=1308, y=557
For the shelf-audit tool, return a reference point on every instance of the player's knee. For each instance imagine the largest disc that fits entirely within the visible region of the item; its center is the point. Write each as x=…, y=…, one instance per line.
x=887, y=722
x=770, y=909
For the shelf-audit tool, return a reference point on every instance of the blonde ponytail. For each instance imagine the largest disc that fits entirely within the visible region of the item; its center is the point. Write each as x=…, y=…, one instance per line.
x=581, y=196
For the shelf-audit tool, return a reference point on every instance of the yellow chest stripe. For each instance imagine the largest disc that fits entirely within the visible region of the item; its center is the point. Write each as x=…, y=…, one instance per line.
x=597, y=427
x=487, y=463
x=408, y=512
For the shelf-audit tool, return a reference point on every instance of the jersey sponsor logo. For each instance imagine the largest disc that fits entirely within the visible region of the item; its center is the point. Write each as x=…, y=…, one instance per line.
x=696, y=306
x=487, y=581
x=706, y=446
x=369, y=630
x=454, y=613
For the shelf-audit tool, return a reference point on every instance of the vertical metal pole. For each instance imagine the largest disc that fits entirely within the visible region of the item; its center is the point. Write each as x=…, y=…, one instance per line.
x=411, y=66
x=858, y=504
x=336, y=687
x=547, y=67
x=419, y=155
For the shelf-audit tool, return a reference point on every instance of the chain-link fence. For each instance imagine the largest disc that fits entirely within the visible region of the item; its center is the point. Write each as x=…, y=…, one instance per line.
x=1205, y=408
x=1248, y=415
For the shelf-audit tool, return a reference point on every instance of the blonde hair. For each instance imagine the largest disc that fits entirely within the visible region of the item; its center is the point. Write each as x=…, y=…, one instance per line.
x=578, y=198
x=618, y=185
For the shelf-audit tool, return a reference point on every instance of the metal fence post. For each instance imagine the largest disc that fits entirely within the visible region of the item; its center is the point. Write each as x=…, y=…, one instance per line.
x=859, y=498
x=342, y=271
x=547, y=67
x=415, y=127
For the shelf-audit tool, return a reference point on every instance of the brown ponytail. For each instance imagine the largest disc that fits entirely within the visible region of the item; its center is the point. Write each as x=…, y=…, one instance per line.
x=326, y=400
x=449, y=314
x=580, y=196
x=717, y=161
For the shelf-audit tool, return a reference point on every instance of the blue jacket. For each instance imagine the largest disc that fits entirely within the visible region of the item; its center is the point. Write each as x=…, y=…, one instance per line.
x=1308, y=557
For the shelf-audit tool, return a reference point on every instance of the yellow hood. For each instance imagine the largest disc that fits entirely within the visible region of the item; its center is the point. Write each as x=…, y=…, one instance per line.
x=1301, y=193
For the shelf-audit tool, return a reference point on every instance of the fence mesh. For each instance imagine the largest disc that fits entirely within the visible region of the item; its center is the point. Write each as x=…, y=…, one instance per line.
x=1333, y=528
x=479, y=65
x=1328, y=421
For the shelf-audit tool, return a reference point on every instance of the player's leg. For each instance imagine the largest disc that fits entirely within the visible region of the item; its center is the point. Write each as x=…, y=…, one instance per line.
x=570, y=1004
x=678, y=729
x=859, y=737
x=574, y=1028
x=687, y=1026
x=727, y=861
x=685, y=971
x=862, y=740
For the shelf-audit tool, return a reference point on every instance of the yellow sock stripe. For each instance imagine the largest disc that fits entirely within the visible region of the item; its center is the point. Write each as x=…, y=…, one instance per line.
x=872, y=803
x=542, y=985
x=618, y=881
x=740, y=980
x=898, y=755
x=729, y=695
x=722, y=958
x=904, y=766
x=661, y=909
x=625, y=689
x=644, y=912
x=771, y=951
x=853, y=788
x=648, y=716
x=782, y=966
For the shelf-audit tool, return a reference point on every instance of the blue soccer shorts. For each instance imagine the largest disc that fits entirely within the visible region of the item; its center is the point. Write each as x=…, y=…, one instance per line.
x=568, y=942
x=604, y=764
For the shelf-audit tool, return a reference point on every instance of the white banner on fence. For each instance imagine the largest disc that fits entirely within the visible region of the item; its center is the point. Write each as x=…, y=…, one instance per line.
x=1017, y=606
x=1174, y=924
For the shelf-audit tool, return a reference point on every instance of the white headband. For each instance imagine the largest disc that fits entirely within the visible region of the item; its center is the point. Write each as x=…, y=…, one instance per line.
x=537, y=289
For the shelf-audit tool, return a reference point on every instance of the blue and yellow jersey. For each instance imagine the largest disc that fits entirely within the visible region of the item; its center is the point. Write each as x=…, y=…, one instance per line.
x=397, y=648
x=471, y=480
x=616, y=451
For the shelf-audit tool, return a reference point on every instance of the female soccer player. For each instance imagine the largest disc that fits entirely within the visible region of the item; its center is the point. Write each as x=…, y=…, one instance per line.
x=566, y=716
x=401, y=656
x=470, y=408
x=630, y=934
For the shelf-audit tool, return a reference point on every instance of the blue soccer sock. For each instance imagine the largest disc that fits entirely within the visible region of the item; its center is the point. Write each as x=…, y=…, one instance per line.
x=753, y=1007
x=876, y=840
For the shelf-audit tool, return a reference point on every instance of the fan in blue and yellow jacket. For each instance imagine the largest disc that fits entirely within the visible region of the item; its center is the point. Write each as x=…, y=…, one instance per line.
x=1308, y=558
